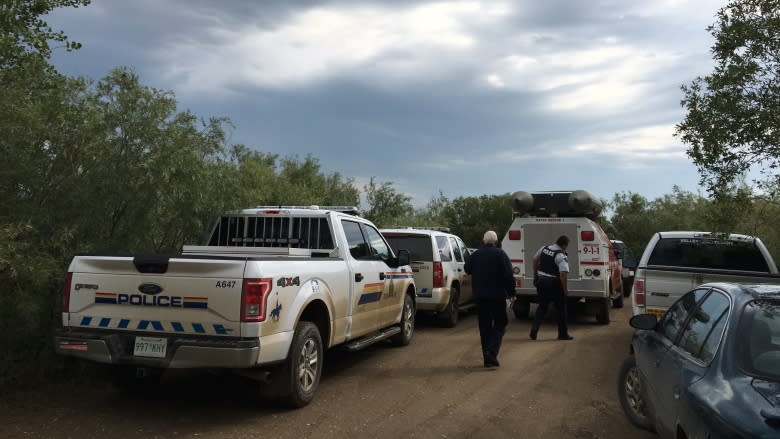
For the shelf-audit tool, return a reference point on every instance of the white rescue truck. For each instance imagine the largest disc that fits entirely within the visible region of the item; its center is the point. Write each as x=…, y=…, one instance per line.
x=539, y=219
x=270, y=290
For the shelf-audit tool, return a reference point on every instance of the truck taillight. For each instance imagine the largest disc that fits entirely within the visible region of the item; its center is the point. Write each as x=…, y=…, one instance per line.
x=639, y=292
x=254, y=295
x=438, y=275
x=514, y=235
x=587, y=235
x=66, y=292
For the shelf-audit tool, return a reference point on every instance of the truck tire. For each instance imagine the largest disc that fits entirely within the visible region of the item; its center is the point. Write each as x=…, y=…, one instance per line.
x=602, y=313
x=302, y=370
x=627, y=287
x=617, y=302
x=632, y=393
x=522, y=308
x=407, y=323
x=450, y=314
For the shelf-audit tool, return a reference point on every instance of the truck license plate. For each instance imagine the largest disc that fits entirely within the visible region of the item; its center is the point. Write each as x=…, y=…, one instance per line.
x=150, y=347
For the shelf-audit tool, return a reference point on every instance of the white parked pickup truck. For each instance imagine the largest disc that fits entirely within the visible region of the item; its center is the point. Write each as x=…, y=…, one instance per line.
x=676, y=262
x=267, y=293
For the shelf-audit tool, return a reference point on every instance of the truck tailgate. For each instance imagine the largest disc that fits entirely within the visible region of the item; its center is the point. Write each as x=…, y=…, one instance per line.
x=197, y=296
x=664, y=285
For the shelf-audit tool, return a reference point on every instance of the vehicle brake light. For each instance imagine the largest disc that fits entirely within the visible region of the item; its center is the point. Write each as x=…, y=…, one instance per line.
x=66, y=292
x=587, y=235
x=639, y=292
x=254, y=295
x=596, y=272
x=514, y=235
x=438, y=275
x=272, y=211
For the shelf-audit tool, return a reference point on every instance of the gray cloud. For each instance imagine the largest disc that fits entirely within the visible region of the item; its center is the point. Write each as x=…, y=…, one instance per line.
x=465, y=97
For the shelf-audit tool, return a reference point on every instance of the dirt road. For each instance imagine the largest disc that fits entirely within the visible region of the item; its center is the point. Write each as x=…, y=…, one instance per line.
x=434, y=388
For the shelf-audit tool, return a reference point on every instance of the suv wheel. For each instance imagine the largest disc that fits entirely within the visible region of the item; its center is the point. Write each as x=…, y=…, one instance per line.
x=633, y=395
x=452, y=311
x=617, y=302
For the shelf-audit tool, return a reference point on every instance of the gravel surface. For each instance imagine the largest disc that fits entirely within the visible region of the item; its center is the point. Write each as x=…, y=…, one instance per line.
x=434, y=388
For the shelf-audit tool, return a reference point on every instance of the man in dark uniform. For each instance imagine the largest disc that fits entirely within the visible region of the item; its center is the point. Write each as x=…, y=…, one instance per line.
x=551, y=274
x=492, y=284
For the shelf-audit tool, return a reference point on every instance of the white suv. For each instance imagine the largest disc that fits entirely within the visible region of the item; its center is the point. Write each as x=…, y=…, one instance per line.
x=437, y=259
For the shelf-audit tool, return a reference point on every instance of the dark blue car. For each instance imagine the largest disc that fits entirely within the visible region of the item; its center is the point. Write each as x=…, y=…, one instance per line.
x=709, y=367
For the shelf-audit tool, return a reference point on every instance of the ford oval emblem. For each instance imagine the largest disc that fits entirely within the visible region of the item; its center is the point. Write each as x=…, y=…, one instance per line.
x=150, y=289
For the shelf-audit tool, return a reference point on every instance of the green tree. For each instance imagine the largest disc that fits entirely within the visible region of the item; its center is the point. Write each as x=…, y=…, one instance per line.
x=24, y=34
x=471, y=217
x=386, y=207
x=733, y=114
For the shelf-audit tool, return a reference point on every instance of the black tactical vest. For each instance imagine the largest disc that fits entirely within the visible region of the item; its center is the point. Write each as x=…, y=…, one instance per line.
x=547, y=261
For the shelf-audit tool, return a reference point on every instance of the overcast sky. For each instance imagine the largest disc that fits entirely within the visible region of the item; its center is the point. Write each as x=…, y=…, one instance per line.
x=466, y=97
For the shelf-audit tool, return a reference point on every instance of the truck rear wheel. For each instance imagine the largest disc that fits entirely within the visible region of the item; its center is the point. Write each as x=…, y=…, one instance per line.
x=450, y=314
x=301, y=373
x=407, y=323
x=602, y=313
x=522, y=308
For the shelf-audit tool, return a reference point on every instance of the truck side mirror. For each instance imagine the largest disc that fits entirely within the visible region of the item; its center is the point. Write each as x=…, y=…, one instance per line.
x=403, y=257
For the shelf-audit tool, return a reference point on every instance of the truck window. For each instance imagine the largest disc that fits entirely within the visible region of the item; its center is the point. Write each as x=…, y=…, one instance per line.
x=379, y=248
x=419, y=246
x=279, y=231
x=708, y=253
x=357, y=244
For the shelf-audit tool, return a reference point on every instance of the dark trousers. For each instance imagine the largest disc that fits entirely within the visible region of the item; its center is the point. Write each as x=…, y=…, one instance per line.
x=550, y=290
x=491, y=315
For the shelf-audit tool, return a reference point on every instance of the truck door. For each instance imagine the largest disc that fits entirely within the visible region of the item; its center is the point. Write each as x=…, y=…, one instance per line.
x=366, y=286
x=392, y=298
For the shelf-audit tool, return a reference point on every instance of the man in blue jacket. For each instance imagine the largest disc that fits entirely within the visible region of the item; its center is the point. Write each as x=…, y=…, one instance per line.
x=493, y=285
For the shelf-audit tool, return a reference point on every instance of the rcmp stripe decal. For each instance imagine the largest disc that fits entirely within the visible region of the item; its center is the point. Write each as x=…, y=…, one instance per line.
x=371, y=293
x=369, y=298
x=154, y=325
x=105, y=297
x=593, y=263
x=195, y=302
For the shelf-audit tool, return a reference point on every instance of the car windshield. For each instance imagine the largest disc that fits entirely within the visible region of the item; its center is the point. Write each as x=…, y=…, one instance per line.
x=419, y=246
x=759, y=344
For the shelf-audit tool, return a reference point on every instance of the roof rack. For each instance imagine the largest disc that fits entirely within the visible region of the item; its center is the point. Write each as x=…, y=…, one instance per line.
x=435, y=228
x=352, y=210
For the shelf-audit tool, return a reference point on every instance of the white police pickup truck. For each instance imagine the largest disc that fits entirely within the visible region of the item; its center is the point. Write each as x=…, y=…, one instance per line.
x=270, y=290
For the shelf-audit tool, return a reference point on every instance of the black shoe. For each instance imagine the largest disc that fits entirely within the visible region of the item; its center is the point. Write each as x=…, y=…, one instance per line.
x=491, y=361
x=566, y=337
x=532, y=335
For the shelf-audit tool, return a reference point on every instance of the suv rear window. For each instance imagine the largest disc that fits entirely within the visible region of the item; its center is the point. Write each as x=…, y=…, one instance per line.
x=708, y=253
x=419, y=246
